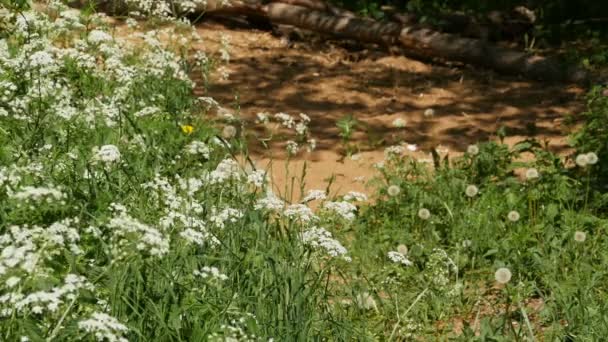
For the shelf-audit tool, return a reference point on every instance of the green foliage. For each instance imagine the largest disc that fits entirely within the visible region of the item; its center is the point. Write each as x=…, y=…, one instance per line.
x=124, y=216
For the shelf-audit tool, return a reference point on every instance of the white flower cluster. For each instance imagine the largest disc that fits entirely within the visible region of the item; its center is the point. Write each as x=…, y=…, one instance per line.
x=270, y=202
x=318, y=237
x=314, y=195
x=210, y=272
x=399, y=258
x=148, y=239
x=38, y=194
x=344, y=209
x=198, y=148
x=104, y=327
x=40, y=301
x=106, y=154
x=257, y=178
x=226, y=170
x=355, y=196
x=227, y=215
x=300, y=212
x=181, y=212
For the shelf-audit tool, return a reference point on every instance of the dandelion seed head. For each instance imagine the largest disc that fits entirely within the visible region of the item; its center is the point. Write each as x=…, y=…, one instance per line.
x=592, y=158
x=513, y=216
x=532, y=173
x=229, y=132
x=582, y=160
x=471, y=191
x=502, y=275
x=393, y=190
x=580, y=236
x=424, y=213
x=402, y=249
x=473, y=149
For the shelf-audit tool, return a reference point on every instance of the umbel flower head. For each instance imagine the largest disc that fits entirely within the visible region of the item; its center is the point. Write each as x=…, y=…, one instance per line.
x=502, y=275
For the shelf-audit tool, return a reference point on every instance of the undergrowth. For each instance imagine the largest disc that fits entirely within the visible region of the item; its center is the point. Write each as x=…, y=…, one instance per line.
x=126, y=213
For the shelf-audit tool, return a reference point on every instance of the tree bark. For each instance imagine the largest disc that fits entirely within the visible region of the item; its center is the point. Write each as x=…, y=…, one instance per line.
x=418, y=41
x=427, y=42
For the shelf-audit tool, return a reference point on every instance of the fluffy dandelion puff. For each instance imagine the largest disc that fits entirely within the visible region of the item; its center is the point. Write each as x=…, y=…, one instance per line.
x=591, y=158
x=473, y=149
x=471, y=191
x=513, y=216
x=429, y=112
x=424, y=214
x=502, y=275
x=582, y=160
x=229, y=132
x=402, y=249
x=532, y=173
x=580, y=236
x=394, y=190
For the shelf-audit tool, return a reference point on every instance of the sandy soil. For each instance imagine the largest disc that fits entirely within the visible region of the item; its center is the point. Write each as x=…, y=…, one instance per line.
x=327, y=81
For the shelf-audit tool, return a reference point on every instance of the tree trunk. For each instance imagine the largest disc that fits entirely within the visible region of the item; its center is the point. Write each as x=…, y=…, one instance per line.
x=427, y=42
x=418, y=41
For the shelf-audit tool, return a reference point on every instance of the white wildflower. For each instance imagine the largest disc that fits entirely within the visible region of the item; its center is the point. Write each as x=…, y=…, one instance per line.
x=198, y=147
x=314, y=195
x=210, y=272
x=270, y=202
x=98, y=36
x=107, y=154
x=399, y=258
x=292, y=147
x=299, y=212
x=355, y=196
x=429, y=112
x=104, y=327
x=257, y=178
x=344, y=209
x=321, y=238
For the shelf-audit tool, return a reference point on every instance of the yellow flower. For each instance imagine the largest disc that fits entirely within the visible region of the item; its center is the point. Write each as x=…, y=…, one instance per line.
x=187, y=129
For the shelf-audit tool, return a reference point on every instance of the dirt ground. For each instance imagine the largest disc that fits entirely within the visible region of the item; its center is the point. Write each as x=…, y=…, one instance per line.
x=327, y=82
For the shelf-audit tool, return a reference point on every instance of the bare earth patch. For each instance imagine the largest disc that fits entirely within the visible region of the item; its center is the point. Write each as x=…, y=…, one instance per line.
x=327, y=82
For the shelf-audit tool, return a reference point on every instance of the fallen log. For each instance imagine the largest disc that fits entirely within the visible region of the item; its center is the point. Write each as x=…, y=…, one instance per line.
x=418, y=41
x=423, y=41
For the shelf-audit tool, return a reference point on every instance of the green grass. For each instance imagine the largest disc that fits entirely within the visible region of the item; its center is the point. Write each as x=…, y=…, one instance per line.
x=125, y=215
